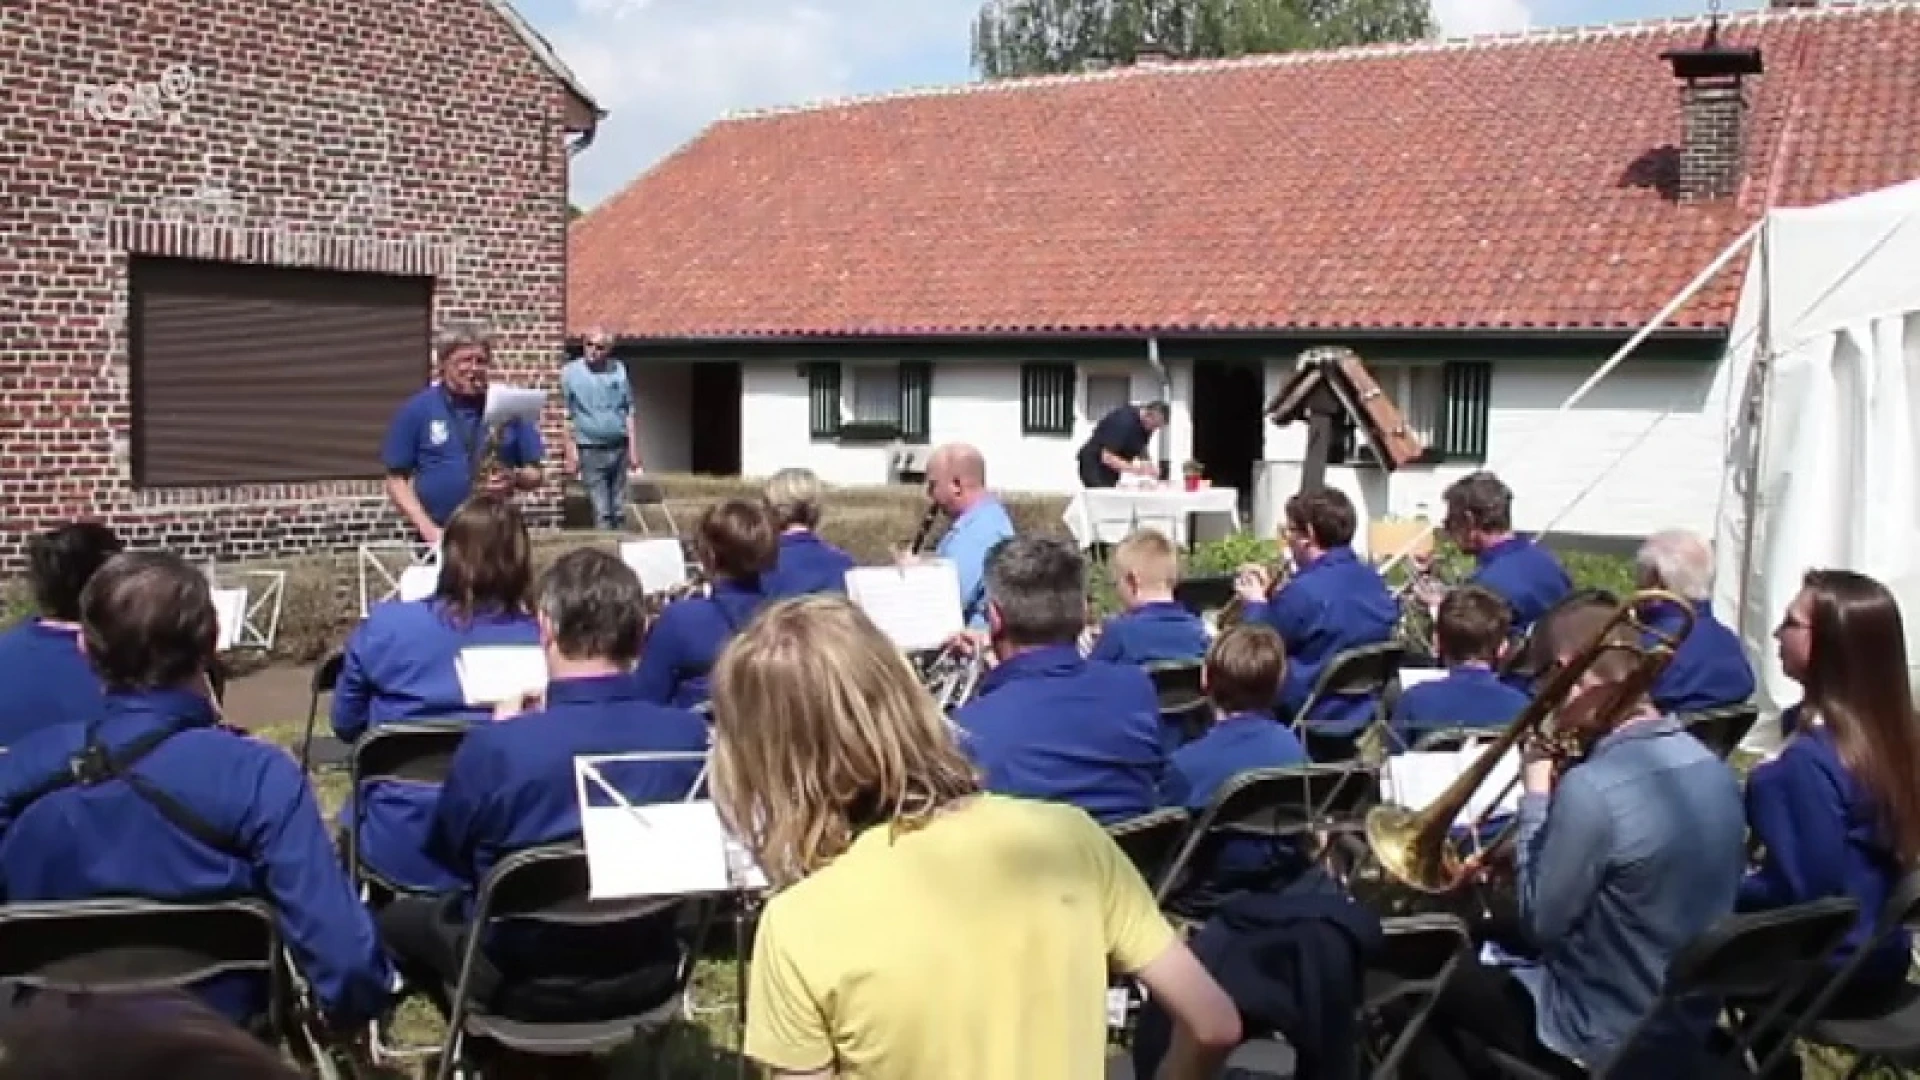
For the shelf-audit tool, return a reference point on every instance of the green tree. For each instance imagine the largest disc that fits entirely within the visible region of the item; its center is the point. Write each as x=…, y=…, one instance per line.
x=1042, y=37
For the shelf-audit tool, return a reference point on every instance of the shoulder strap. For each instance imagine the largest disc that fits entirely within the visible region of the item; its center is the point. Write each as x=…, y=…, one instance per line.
x=94, y=764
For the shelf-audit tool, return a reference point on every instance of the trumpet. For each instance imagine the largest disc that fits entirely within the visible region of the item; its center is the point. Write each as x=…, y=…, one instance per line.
x=1416, y=848
x=1277, y=576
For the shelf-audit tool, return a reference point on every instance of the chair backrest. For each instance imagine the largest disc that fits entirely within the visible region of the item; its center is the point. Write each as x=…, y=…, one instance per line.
x=1417, y=955
x=421, y=753
x=551, y=885
x=1369, y=669
x=1183, y=704
x=1279, y=804
x=134, y=946
x=1722, y=729
x=1151, y=840
x=1202, y=593
x=1902, y=911
x=327, y=675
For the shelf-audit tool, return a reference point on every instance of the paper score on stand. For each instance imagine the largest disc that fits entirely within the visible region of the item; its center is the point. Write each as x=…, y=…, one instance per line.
x=917, y=607
x=491, y=674
x=230, y=608
x=506, y=403
x=659, y=561
x=1414, y=780
x=658, y=849
x=418, y=582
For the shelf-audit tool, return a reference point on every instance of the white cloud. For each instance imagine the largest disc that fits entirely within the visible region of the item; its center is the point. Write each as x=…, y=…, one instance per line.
x=665, y=69
x=1464, y=18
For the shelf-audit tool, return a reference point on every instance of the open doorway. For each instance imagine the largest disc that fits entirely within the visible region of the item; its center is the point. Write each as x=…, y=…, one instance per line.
x=1228, y=436
x=715, y=440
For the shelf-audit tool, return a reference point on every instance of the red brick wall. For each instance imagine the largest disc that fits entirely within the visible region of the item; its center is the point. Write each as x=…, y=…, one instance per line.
x=415, y=137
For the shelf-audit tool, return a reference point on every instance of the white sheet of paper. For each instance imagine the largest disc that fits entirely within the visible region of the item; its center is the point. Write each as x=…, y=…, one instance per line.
x=506, y=403
x=659, y=561
x=419, y=582
x=491, y=674
x=662, y=849
x=917, y=607
x=1415, y=779
x=230, y=607
x=1411, y=677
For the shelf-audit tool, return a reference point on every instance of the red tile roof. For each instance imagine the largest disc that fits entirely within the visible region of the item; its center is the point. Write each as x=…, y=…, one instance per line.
x=1488, y=184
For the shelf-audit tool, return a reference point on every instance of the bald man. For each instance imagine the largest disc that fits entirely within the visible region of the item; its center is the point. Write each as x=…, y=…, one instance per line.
x=957, y=484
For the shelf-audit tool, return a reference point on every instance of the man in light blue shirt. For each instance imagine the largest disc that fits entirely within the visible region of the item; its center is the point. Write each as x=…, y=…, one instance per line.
x=602, y=444
x=957, y=484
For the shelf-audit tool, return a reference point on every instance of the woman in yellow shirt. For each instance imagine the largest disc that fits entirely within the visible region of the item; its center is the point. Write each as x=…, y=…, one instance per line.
x=921, y=930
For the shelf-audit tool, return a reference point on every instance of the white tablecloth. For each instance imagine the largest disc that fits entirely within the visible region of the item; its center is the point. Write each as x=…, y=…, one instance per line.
x=1107, y=515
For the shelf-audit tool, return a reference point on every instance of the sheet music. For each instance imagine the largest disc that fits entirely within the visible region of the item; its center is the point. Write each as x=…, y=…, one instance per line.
x=418, y=582
x=660, y=849
x=659, y=561
x=491, y=674
x=230, y=606
x=1415, y=779
x=917, y=607
x=506, y=403
x=1413, y=676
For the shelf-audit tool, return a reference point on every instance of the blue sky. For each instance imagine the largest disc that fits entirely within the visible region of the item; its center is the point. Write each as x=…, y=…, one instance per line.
x=665, y=69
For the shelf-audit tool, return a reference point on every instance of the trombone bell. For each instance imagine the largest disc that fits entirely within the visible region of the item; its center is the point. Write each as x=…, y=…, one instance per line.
x=1411, y=851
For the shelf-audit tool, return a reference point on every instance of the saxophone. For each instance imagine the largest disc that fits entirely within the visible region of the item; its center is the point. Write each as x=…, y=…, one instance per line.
x=488, y=464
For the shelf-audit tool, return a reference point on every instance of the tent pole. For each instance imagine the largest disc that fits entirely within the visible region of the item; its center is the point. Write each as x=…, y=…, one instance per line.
x=1760, y=383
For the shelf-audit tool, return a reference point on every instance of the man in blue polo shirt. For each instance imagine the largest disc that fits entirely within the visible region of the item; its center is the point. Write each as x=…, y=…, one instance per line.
x=435, y=450
x=1513, y=567
x=603, y=443
x=957, y=485
x=1119, y=444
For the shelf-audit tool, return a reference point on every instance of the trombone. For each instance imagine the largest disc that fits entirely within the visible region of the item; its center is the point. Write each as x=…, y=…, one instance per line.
x=1416, y=847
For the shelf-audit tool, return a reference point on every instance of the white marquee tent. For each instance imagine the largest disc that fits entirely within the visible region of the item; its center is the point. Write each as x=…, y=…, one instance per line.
x=1823, y=445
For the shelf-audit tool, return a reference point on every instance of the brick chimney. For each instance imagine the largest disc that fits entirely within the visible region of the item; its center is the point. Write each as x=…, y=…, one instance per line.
x=1786, y=5
x=1713, y=113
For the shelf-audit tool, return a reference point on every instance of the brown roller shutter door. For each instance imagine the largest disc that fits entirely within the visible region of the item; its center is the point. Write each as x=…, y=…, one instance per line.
x=251, y=374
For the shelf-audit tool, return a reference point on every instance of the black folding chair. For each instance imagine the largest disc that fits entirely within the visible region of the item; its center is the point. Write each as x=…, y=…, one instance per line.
x=1403, y=980
x=1722, y=729
x=1366, y=671
x=412, y=753
x=548, y=886
x=1886, y=1036
x=1183, y=704
x=644, y=494
x=1769, y=957
x=1151, y=840
x=1203, y=593
x=331, y=752
x=130, y=946
x=1294, y=805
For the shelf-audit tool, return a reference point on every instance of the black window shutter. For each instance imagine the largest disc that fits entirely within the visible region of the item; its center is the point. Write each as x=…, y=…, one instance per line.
x=1468, y=388
x=916, y=394
x=823, y=401
x=1046, y=399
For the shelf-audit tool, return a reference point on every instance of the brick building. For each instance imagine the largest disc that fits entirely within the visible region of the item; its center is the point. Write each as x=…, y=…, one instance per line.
x=229, y=232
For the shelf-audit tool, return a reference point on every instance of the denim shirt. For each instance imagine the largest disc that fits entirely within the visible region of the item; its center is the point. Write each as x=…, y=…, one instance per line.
x=1638, y=851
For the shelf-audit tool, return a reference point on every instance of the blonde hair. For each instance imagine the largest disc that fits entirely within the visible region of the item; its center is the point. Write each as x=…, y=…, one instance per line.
x=821, y=729
x=1150, y=557
x=794, y=497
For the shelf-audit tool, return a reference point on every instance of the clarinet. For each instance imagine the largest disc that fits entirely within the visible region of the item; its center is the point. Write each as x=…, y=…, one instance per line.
x=926, y=529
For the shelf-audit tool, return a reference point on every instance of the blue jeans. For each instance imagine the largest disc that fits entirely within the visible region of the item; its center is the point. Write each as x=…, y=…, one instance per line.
x=603, y=469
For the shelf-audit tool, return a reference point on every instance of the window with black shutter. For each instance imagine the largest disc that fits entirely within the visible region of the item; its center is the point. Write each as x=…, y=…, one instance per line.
x=823, y=401
x=1467, y=404
x=1046, y=399
x=916, y=402
x=258, y=374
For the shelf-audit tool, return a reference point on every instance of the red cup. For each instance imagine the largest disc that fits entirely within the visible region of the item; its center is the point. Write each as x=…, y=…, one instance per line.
x=1193, y=483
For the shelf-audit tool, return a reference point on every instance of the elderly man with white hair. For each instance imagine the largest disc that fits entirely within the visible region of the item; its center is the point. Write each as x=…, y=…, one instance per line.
x=1711, y=670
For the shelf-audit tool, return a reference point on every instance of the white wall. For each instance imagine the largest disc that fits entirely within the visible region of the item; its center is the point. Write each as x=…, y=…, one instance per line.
x=1642, y=452
x=663, y=412
x=973, y=402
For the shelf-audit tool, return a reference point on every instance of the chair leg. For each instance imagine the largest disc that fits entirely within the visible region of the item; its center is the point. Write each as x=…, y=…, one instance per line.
x=306, y=737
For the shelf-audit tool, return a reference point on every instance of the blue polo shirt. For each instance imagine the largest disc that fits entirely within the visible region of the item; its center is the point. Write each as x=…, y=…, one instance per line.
x=1335, y=603
x=1153, y=633
x=966, y=545
x=1198, y=771
x=598, y=401
x=44, y=680
x=685, y=643
x=1525, y=575
x=1469, y=696
x=1708, y=671
x=439, y=439
x=1047, y=724
x=85, y=843
x=807, y=565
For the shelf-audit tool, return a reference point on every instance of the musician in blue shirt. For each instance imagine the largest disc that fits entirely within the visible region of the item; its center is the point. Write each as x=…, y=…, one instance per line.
x=1154, y=628
x=436, y=448
x=152, y=798
x=44, y=677
x=1470, y=633
x=399, y=667
x=807, y=563
x=512, y=787
x=957, y=486
x=736, y=547
x=1334, y=603
x=1524, y=574
x=1049, y=724
x=1710, y=669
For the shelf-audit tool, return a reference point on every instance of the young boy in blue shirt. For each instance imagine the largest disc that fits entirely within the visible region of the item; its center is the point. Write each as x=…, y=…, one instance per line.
x=1470, y=634
x=1154, y=628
